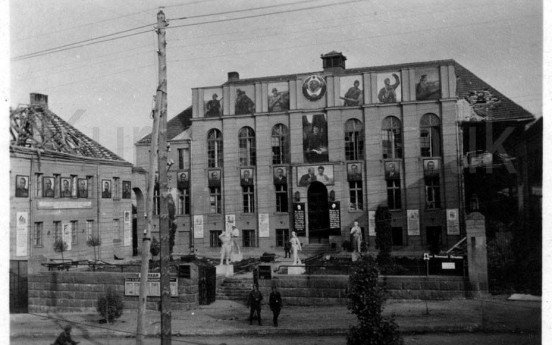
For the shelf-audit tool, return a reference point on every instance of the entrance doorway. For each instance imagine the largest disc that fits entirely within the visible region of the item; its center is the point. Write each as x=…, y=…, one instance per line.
x=19, y=300
x=433, y=236
x=319, y=216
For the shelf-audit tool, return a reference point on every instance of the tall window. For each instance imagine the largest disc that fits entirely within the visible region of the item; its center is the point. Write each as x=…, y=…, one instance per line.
x=89, y=228
x=214, y=148
x=282, y=236
x=430, y=136
x=394, y=194
x=180, y=158
x=57, y=230
x=354, y=140
x=183, y=201
x=248, y=199
x=215, y=199
x=156, y=202
x=38, y=231
x=74, y=231
x=214, y=240
x=281, y=198
x=116, y=188
x=433, y=192
x=247, y=152
x=116, y=234
x=249, y=239
x=355, y=195
x=280, y=144
x=391, y=140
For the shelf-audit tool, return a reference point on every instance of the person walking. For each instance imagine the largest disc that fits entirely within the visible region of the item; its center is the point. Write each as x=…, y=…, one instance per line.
x=254, y=302
x=275, y=302
x=64, y=338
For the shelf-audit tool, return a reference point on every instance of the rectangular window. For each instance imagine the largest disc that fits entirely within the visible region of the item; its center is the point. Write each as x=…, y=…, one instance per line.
x=355, y=195
x=57, y=185
x=89, y=228
x=38, y=184
x=90, y=188
x=397, y=236
x=180, y=158
x=282, y=236
x=57, y=230
x=214, y=240
x=281, y=198
x=116, y=188
x=183, y=202
x=116, y=234
x=74, y=186
x=248, y=199
x=74, y=231
x=249, y=239
x=354, y=144
x=38, y=231
x=433, y=192
x=394, y=194
x=215, y=200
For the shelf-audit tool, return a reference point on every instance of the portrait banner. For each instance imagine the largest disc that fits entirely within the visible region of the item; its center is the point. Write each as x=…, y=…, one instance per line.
x=264, y=225
x=198, y=226
x=21, y=186
x=22, y=234
x=321, y=173
x=127, y=227
x=413, y=222
x=315, y=138
x=371, y=223
x=453, y=222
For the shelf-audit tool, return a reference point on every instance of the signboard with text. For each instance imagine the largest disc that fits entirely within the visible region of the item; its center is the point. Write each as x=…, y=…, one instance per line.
x=335, y=216
x=299, y=219
x=132, y=285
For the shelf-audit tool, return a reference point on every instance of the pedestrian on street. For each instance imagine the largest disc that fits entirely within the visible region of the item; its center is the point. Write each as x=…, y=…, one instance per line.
x=64, y=338
x=254, y=302
x=275, y=302
x=287, y=249
x=256, y=276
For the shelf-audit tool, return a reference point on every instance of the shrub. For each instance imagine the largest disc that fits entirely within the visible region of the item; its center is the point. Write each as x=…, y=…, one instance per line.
x=155, y=247
x=110, y=305
x=60, y=246
x=366, y=300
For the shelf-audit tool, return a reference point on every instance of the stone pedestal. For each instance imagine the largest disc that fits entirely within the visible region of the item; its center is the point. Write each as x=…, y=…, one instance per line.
x=296, y=269
x=355, y=256
x=225, y=270
x=236, y=257
x=477, y=253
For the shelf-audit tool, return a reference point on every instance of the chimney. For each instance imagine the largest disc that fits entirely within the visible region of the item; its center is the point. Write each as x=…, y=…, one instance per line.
x=39, y=99
x=233, y=76
x=333, y=62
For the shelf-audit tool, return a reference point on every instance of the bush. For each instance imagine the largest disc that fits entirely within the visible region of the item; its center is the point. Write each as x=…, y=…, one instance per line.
x=366, y=300
x=110, y=305
x=60, y=246
x=347, y=246
x=155, y=247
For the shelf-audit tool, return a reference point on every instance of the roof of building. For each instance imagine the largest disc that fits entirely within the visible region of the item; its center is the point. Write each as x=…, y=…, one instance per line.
x=35, y=128
x=175, y=126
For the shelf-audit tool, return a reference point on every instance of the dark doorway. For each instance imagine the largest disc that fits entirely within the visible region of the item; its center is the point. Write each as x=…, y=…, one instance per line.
x=319, y=219
x=134, y=231
x=433, y=236
x=19, y=301
x=397, y=236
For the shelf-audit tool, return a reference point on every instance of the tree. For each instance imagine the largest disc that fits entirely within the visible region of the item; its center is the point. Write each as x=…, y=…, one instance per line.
x=366, y=300
x=60, y=246
x=110, y=305
x=155, y=247
x=94, y=241
x=384, y=240
x=172, y=222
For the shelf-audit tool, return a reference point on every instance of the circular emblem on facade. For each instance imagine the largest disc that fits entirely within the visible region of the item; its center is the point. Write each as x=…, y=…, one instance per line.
x=314, y=88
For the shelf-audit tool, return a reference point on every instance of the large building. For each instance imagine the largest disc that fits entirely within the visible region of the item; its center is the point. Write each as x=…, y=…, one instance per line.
x=314, y=152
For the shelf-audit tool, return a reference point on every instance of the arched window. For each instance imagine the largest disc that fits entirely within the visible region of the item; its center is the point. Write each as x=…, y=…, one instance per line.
x=391, y=140
x=214, y=148
x=247, y=152
x=354, y=140
x=280, y=144
x=430, y=136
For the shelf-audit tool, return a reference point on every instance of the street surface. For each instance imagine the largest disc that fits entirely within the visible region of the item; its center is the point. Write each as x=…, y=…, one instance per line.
x=426, y=339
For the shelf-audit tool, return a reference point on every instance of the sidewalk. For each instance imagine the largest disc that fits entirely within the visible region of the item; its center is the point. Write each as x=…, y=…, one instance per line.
x=230, y=318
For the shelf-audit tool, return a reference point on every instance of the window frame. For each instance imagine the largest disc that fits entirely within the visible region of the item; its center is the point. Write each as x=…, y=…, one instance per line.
x=354, y=140
x=38, y=241
x=391, y=129
x=214, y=238
x=432, y=186
x=247, y=154
x=249, y=234
x=248, y=195
x=280, y=152
x=215, y=148
x=393, y=187
x=215, y=200
x=282, y=198
x=430, y=136
x=355, y=190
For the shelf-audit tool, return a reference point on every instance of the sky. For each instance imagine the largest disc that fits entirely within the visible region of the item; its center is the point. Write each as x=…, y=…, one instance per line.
x=106, y=89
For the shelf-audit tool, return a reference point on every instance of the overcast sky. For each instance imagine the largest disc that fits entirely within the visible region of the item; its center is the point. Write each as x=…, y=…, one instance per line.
x=111, y=84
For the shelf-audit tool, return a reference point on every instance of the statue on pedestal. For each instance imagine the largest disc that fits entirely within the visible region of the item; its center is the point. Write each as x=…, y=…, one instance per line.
x=295, y=246
x=235, y=240
x=356, y=232
x=226, y=249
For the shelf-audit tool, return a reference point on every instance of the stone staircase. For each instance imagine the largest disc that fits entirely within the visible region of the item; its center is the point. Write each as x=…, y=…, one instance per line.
x=235, y=288
x=313, y=249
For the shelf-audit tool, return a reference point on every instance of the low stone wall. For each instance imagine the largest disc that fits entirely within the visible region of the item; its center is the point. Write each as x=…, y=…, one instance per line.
x=61, y=291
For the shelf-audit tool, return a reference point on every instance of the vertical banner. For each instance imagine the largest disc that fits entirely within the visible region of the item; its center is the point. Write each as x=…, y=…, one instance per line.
x=198, y=226
x=66, y=233
x=334, y=210
x=127, y=226
x=264, y=225
x=230, y=220
x=22, y=234
x=453, y=225
x=371, y=223
x=413, y=222
x=299, y=218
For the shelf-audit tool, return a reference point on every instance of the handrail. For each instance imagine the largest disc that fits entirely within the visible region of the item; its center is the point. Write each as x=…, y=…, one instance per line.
x=456, y=245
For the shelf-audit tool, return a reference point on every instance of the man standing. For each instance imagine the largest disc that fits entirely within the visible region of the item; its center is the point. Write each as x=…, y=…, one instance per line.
x=307, y=178
x=387, y=93
x=321, y=177
x=352, y=97
x=254, y=302
x=213, y=106
x=226, y=239
x=275, y=302
x=64, y=338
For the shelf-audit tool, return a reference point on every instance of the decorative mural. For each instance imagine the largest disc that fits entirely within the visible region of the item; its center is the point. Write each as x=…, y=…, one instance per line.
x=244, y=100
x=354, y=171
x=21, y=186
x=278, y=97
x=428, y=84
x=321, y=173
x=212, y=102
x=315, y=138
x=389, y=87
x=350, y=88
x=314, y=88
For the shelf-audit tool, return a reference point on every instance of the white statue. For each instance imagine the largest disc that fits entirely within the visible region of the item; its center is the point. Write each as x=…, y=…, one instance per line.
x=226, y=239
x=295, y=246
x=235, y=239
x=356, y=232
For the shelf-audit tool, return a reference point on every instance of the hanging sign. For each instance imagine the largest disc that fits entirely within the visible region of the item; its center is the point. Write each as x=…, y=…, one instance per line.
x=413, y=222
x=264, y=225
x=299, y=218
x=198, y=226
x=22, y=234
x=371, y=223
x=453, y=225
x=127, y=226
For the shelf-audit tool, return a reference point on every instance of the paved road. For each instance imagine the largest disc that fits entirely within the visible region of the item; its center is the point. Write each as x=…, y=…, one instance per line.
x=427, y=339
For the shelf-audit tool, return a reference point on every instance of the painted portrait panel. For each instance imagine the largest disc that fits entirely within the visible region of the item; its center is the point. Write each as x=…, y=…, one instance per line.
x=321, y=173
x=354, y=172
x=106, y=189
x=82, y=188
x=213, y=176
x=212, y=102
x=431, y=167
x=48, y=187
x=350, y=89
x=280, y=175
x=428, y=84
x=278, y=97
x=389, y=87
x=21, y=186
x=392, y=170
x=65, y=187
x=315, y=138
x=183, y=179
x=246, y=177
x=126, y=190
x=244, y=100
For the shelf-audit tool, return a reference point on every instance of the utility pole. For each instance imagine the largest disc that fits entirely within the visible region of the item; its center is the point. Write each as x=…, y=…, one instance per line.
x=163, y=182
